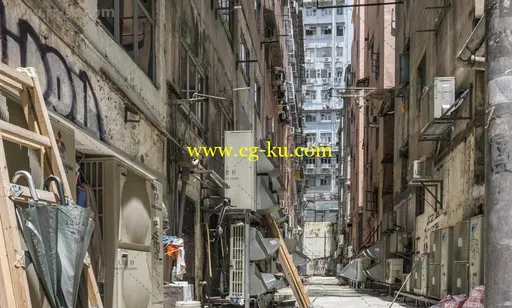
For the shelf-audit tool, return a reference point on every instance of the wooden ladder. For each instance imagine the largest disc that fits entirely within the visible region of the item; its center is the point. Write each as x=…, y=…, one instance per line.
x=289, y=269
x=23, y=84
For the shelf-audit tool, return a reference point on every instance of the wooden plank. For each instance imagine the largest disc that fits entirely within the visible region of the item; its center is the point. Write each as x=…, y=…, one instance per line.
x=39, y=121
x=16, y=76
x=92, y=289
x=42, y=117
x=13, y=85
x=289, y=268
x=11, y=237
x=44, y=196
x=6, y=288
x=23, y=136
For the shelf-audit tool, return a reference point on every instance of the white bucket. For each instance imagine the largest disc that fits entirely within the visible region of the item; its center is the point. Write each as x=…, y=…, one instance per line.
x=188, y=304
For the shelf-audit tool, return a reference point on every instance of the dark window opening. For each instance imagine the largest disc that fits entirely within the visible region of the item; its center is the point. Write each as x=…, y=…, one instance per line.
x=420, y=201
x=132, y=27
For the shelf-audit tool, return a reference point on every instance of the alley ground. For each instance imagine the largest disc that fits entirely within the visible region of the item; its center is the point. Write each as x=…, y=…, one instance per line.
x=324, y=292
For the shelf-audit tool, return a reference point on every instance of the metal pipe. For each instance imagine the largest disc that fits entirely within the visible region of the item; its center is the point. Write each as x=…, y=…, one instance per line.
x=356, y=5
x=498, y=179
x=185, y=174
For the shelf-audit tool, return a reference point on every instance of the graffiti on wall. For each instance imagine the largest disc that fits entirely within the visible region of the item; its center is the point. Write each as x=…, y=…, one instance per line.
x=66, y=91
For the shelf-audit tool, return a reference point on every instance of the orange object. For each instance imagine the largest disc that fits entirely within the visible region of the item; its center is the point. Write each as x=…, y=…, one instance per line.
x=172, y=250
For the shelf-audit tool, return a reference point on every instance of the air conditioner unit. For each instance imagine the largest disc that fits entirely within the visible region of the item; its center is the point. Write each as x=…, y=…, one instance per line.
x=437, y=99
x=237, y=271
x=327, y=60
x=397, y=242
x=476, y=254
x=241, y=174
x=285, y=211
x=282, y=204
x=338, y=59
x=291, y=130
x=419, y=281
x=420, y=171
x=394, y=270
x=130, y=215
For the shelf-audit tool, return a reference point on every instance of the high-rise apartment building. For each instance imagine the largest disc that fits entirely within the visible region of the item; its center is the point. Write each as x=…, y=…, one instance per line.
x=327, y=37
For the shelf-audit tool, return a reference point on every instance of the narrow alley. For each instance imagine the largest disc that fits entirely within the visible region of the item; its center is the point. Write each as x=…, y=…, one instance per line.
x=325, y=292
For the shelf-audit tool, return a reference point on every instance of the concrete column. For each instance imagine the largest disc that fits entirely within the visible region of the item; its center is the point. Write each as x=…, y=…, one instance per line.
x=498, y=208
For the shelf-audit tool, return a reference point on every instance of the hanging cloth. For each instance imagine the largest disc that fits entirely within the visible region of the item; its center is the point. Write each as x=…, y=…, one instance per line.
x=81, y=194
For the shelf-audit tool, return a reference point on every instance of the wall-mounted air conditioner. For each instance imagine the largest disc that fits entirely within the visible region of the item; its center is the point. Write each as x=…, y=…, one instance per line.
x=441, y=262
x=327, y=59
x=437, y=99
x=282, y=204
x=130, y=213
x=419, y=277
x=394, y=270
x=476, y=251
x=396, y=242
x=420, y=171
x=460, y=273
x=237, y=271
x=240, y=174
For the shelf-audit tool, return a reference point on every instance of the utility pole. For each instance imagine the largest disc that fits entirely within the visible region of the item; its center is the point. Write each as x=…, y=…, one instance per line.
x=498, y=181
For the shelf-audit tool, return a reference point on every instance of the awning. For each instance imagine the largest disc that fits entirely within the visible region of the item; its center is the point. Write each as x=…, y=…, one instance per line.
x=473, y=51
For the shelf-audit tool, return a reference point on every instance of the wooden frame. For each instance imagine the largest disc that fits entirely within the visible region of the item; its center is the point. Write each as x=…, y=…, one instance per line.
x=23, y=83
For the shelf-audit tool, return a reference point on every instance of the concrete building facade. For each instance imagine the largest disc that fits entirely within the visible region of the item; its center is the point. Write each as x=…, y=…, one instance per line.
x=371, y=122
x=327, y=35
x=128, y=88
x=416, y=142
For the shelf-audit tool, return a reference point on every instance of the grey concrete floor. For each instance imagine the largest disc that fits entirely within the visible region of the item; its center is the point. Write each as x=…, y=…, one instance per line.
x=324, y=292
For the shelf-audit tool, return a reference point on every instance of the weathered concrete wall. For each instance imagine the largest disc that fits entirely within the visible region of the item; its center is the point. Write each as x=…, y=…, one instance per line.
x=373, y=25
x=458, y=161
x=319, y=240
x=69, y=69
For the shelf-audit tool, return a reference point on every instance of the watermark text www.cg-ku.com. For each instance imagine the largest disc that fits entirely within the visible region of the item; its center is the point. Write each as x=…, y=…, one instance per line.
x=252, y=153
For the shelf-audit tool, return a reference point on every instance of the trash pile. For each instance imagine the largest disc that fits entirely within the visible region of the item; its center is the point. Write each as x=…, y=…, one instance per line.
x=475, y=300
